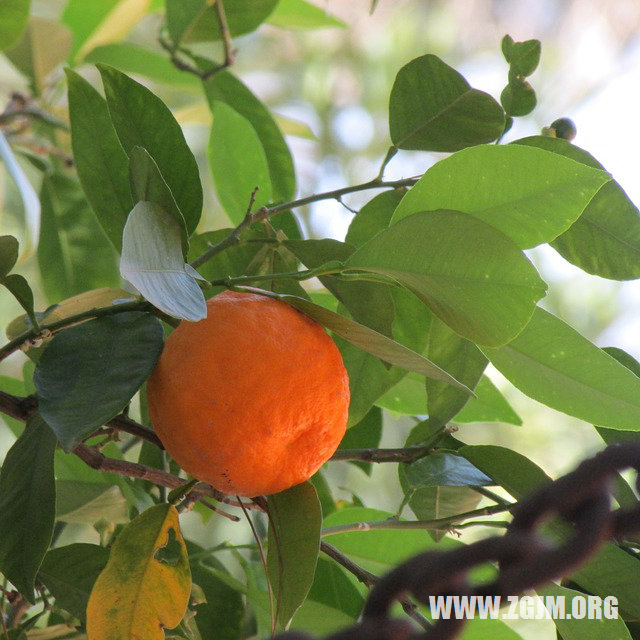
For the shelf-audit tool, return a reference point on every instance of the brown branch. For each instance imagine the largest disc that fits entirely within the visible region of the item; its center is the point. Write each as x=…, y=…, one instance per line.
x=369, y=579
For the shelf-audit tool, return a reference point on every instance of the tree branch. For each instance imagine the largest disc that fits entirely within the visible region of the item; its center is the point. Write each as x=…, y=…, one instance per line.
x=393, y=523
x=369, y=580
x=406, y=455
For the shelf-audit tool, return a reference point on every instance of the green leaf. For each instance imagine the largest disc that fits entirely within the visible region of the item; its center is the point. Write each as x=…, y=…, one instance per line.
x=27, y=505
x=407, y=397
x=459, y=357
x=221, y=616
x=89, y=372
x=225, y=87
x=378, y=550
x=333, y=588
x=99, y=23
x=488, y=405
x=523, y=57
x=365, y=434
x=605, y=239
x=43, y=46
x=74, y=254
x=102, y=168
x=470, y=275
x=369, y=303
x=441, y=469
x=8, y=254
x=531, y=196
x=238, y=162
x=132, y=58
x=90, y=502
x=197, y=20
x=14, y=15
x=141, y=119
x=371, y=341
x=147, y=184
x=518, y=98
x=152, y=261
x=21, y=290
x=433, y=108
x=552, y=363
x=374, y=217
x=579, y=629
x=299, y=14
x=70, y=572
x=613, y=571
x=295, y=518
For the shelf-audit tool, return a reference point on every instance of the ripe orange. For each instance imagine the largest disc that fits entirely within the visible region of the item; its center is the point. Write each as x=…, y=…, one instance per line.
x=253, y=399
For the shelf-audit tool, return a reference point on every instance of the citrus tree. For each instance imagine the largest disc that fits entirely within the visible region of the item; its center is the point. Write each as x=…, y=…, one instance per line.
x=280, y=349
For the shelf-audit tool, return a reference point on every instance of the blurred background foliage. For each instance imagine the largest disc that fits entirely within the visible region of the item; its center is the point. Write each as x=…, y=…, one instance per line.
x=330, y=87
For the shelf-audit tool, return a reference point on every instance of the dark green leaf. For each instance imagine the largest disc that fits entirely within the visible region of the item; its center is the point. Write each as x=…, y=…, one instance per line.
x=462, y=359
x=441, y=469
x=523, y=57
x=152, y=261
x=518, y=98
x=371, y=341
x=225, y=87
x=554, y=364
x=27, y=505
x=470, y=275
x=295, y=519
x=74, y=254
x=433, y=108
x=132, y=58
x=369, y=303
x=605, y=239
x=238, y=162
x=69, y=573
x=89, y=372
x=489, y=405
x=530, y=196
x=102, y=167
x=221, y=616
x=333, y=588
x=90, y=502
x=364, y=435
x=8, y=254
x=141, y=119
x=197, y=20
x=374, y=217
x=21, y=290
x=14, y=15
x=299, y=14
x=147, y=184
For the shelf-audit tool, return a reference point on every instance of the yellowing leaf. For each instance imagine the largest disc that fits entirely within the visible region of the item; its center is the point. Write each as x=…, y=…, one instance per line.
x=146, y=583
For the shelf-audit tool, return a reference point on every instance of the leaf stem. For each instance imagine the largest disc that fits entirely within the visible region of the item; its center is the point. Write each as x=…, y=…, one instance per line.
x=394, y=523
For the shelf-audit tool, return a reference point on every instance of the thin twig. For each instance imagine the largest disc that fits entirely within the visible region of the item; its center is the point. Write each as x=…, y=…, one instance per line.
x=266, y=212
x=407, y=455
x=394, y=523
x=229, y=53
x=369, y=579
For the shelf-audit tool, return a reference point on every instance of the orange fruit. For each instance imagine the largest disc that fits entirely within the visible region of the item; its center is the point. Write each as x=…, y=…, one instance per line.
x=253, y=399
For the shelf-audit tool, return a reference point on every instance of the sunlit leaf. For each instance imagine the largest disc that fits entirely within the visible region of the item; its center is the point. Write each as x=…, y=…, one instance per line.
x=531, y=196
x=295, y=518
x=488, y=405
x=299, y=14
x=238, y=162
x=89, y=372
x=469, y=274
x=27, y=505
x=554, y=364
x=146, y=583
x=433, y=108
x=13, y=19
x=152, y=262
